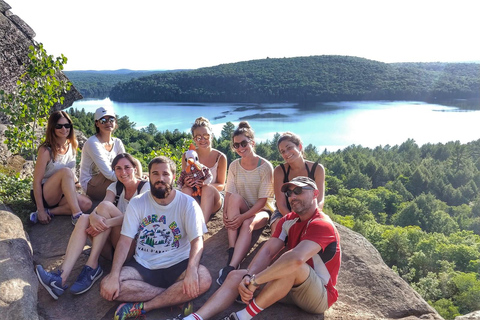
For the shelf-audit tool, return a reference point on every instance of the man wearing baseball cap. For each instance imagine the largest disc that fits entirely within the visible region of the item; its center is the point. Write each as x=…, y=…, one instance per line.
x=305, y=275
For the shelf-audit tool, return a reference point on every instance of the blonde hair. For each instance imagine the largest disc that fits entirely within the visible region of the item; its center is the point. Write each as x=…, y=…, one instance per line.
x=201, y=122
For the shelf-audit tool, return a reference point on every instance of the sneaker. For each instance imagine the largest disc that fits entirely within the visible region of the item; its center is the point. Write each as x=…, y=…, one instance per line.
x=129, y=310
x=232, y=316
x=223, y=273
x=187, y=308
x=86, y=279
x=51, y=281
x=75, y=218
x=34, y=217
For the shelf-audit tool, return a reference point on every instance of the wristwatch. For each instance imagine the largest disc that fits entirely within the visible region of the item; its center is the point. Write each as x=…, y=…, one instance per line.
x=252, y=281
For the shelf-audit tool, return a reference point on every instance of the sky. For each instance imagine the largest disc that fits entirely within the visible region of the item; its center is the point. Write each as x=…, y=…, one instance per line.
x=190, y=34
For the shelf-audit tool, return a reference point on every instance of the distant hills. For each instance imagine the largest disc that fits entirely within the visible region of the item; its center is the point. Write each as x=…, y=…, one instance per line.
x=99, y=83
x=301, y=79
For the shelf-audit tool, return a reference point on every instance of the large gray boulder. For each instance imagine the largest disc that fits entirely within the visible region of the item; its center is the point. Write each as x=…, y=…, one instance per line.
x=18, y=284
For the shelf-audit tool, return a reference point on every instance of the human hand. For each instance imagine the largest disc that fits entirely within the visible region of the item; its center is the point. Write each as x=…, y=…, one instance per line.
x=191, y=286
x=43, y=217
x=110, y=287
x=189, y=182
x=92, y=232
x=98, y=222
x=234, y=222
x=243, y=289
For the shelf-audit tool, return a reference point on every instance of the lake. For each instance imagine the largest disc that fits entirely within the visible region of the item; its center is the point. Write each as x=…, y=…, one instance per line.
x=331, y=126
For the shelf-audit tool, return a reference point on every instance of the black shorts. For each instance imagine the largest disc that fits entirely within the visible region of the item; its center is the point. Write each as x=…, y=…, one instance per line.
x=162, y=278
x=45, y=204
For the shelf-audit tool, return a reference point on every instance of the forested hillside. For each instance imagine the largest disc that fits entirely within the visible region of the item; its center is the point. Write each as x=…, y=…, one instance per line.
x=303, y=79
x=97, y=84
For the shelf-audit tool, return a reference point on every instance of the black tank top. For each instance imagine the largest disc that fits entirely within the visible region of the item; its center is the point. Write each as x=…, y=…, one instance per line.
x=311, y=175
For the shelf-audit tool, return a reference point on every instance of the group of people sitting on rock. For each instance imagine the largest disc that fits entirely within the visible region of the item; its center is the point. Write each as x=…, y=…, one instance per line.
x=162, y=226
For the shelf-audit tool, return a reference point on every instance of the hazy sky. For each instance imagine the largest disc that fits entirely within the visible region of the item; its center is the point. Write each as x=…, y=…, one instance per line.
x=176, y=34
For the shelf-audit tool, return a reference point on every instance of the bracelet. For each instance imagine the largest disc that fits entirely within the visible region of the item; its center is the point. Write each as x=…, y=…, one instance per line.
x=246, y=275
x=253, y=282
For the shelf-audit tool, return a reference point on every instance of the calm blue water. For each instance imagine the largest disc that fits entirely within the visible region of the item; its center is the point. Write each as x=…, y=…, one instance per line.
x=333, y=125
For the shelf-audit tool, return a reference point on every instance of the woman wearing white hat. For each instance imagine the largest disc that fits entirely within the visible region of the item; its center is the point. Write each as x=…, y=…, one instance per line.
x=96, y=173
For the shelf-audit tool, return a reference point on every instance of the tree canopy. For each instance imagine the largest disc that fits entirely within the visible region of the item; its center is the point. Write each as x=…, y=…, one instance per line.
x=306, y=79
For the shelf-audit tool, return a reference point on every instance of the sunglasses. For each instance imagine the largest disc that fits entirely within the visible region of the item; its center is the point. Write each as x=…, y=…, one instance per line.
x=296, y=190
x=65, y=125
x=244, y=143
x=104, y=120
x=199, y=137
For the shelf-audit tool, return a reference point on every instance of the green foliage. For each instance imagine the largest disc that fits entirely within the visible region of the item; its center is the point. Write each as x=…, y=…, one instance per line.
x=97, y=84
x=306, y=79
x=28, y=106
x=15, y=193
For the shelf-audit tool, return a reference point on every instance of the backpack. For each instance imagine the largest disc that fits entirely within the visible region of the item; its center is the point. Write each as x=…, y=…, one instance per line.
x=120, y=187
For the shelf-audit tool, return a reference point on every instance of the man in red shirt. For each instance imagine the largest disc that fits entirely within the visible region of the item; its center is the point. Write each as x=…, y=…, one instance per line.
x=305, y=275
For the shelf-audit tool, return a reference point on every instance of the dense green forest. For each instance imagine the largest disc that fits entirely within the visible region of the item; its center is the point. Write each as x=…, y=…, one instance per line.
x=98, y=84
x=306, y=79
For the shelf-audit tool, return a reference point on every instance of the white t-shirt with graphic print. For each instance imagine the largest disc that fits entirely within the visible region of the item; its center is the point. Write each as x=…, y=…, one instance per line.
x=164, y=232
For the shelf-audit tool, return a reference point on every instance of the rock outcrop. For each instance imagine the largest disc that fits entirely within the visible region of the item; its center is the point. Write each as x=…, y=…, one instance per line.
x=18, y=284
x=15, y=38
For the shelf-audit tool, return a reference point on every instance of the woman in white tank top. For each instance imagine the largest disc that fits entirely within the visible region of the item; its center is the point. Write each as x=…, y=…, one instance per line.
x=54, y=178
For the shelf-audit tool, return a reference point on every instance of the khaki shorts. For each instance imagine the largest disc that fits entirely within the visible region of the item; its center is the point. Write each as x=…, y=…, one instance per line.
x=310, y=296
x=97, y=187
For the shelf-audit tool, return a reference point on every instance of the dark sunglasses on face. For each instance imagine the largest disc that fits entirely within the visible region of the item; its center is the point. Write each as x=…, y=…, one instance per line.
x=244, y=143
x=104, y=120
x=65, y=125
x=296, y=190
x=199, y=137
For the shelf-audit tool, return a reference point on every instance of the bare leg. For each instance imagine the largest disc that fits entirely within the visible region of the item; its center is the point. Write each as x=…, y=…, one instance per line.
x=211, y=201
x=224, y=296
x=62, y=182
x=242, y=245
x=75, y=246
x=103, y=239
x=236, y=205
x=132, y=288
x=64, y=208
x=278, y=288
x=174, y=294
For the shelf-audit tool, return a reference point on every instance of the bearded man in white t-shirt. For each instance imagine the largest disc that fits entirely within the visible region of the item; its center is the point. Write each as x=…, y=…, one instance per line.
x=168, y=226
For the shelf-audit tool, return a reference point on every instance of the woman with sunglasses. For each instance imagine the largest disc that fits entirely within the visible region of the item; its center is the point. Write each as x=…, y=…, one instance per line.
x=54, y=178
x=211, y=200
x=291, y=149
x=96, y=173
x=248, y=199
x=103, y=226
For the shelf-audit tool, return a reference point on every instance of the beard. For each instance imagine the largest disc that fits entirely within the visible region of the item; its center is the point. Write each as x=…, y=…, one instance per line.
x=298, y=207
x=160, y=190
